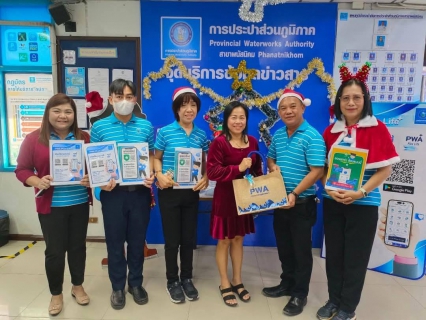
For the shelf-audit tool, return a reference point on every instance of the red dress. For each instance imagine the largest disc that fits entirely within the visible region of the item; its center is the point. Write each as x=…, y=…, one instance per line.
x=222, y=166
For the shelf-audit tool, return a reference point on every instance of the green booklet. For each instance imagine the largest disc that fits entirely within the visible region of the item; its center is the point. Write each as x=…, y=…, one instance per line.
x=346, y=166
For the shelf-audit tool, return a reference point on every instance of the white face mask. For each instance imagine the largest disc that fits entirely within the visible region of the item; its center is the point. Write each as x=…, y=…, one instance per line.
x=123, y=107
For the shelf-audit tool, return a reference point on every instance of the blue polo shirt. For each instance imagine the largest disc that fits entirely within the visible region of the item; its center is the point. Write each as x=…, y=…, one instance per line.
x=112, y=129
x=174, y=136
x=374, y=198
x=296, y=154
x=64, y=196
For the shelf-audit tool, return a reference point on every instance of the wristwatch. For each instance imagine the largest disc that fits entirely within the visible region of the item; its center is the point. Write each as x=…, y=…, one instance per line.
x=364, y=193
x=294, y=194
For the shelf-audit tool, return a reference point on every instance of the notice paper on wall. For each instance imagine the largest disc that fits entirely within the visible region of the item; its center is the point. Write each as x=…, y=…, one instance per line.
x=126, y=74
x=81, y=113
x=99, y=81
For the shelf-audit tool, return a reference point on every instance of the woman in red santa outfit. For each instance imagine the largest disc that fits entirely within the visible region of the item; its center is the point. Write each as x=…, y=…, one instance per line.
x=350, y=217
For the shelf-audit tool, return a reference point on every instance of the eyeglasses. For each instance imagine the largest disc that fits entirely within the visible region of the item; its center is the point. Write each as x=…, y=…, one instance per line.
x=119, y=97
x=356, y=99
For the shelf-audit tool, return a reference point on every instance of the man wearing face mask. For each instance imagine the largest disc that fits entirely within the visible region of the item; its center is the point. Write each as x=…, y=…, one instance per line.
x=125, y=209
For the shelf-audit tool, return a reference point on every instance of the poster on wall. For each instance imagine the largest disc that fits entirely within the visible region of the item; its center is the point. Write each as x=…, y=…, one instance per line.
x=393, y=42
x=25, y=46
x=26, y=98
x=209, y=45
x=75, y=81
x=400, y=243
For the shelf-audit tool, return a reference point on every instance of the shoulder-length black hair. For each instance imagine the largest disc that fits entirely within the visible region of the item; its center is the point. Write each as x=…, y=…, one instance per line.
x=227, y=113
x=367, y=110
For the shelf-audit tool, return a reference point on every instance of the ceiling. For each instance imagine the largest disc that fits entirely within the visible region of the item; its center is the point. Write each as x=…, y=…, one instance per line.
x=370, y=4
x=404, y=2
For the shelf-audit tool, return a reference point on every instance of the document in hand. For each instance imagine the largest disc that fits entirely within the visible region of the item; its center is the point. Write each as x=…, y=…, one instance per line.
x=346, y=168
x=102, y=163
x=188, y=162
x=134, y=162
x=66, y=162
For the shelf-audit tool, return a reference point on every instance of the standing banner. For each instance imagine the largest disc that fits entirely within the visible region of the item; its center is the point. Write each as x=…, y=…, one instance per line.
x=393, y=42
x=401, y=249
x=207, y=46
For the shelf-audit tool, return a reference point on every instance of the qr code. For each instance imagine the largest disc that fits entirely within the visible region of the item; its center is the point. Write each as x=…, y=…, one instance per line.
x=57, y=161
x=403, y=172
x=64, y=161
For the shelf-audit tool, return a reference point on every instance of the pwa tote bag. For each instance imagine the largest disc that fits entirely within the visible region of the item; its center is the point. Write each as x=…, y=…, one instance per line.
x=257, y=194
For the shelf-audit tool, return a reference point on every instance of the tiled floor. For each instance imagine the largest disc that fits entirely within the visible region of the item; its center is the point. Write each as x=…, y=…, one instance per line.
x=24, y=293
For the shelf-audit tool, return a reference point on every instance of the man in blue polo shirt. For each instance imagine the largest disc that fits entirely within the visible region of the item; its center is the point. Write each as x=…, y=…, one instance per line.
x=298, y=152
x=125, y=209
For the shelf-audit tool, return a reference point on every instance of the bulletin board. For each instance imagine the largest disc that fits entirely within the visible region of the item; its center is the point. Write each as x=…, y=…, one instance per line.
x=85, y=63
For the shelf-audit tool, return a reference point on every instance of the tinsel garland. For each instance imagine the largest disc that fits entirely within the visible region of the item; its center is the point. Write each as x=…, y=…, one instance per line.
x=243, y=92
x=256, y=15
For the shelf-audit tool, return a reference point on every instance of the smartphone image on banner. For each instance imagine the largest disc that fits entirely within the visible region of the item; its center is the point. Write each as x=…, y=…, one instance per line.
x=110, y=166
x=184, y=166
x=398, y=223
x=74, y=165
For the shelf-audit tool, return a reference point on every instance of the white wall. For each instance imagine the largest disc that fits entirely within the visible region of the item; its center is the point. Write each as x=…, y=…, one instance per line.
x=95, y=18
x=105, y=18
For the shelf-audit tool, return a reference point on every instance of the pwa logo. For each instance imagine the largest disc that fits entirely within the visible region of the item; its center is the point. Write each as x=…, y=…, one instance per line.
x=257, y=191
x=413, y=142
x=413, y=139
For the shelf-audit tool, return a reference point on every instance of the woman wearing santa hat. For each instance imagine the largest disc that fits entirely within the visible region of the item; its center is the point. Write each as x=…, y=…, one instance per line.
x=179, y=207
x=350, y=217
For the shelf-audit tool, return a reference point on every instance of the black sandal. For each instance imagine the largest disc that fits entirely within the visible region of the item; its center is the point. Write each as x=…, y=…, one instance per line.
x=242, y=293
x=228, y=297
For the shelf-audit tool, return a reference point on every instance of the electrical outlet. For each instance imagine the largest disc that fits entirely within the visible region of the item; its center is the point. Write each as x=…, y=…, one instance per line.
x=93, y=220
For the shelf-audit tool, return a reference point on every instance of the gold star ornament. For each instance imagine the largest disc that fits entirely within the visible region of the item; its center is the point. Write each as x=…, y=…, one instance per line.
x=246, y=83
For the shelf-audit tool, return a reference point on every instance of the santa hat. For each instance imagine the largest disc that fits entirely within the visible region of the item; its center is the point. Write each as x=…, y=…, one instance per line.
x=94, y=104
x=291, y=93
x=181, y=90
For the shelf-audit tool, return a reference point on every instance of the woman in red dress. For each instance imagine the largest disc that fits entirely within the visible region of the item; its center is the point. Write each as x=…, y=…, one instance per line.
x=228, y=160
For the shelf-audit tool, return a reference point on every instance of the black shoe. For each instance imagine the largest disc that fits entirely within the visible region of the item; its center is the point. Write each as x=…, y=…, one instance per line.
x=295, y=306
x=139, y=294
x=327, y=311
x=342, y=315
x=118, y=300
x=190, y=291
x=175, y=292
x=276, y=292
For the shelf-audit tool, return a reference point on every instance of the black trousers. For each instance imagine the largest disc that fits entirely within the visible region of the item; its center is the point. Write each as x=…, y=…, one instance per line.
x=293, y=233
x=126, y=218
x=179, y=213
x=64, y=231
x=349, y=234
